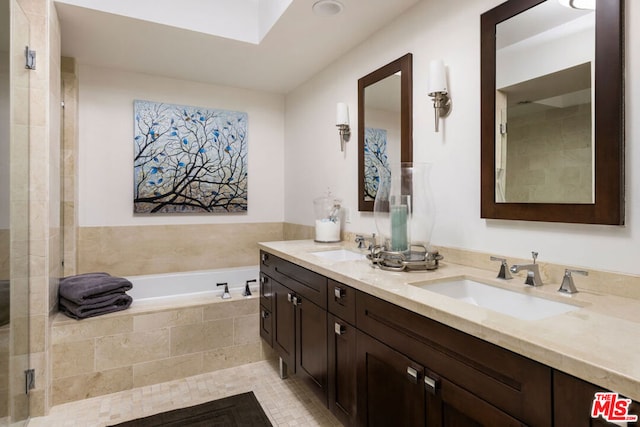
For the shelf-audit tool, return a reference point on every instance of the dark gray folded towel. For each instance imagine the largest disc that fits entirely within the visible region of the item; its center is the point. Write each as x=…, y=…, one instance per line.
x=82, y=287
x=115, y=303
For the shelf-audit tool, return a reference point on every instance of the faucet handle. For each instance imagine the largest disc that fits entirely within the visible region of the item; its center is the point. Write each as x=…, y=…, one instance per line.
x=568, y=271
x=247, y=291
x=225, y=294
x=534, y=255
x=504, y=268
x=567, y=286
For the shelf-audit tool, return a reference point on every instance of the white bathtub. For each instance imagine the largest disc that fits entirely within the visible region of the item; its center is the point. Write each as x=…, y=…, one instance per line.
x=190, y=284
x=177, y=326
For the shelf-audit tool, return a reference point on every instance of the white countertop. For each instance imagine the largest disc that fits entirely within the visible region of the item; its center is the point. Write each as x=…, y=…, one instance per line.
x=599, y=342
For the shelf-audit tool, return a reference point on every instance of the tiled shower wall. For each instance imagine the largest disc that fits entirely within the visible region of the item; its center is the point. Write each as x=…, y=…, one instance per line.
x=549, y=156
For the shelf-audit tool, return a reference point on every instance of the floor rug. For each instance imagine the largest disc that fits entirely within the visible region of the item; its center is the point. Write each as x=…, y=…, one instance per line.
x=239, y=410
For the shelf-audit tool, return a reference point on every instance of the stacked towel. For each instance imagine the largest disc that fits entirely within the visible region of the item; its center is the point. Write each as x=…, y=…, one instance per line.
x=5, y=311
x=93, y=294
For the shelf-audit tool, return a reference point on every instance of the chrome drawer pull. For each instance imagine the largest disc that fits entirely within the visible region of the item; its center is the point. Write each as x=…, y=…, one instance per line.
x=338, y=292
x=412, y=375
x=339, y=329
x=431, y=384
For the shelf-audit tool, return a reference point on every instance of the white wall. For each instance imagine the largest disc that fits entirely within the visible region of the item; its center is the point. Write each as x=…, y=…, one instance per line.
x=106, y=145
x=451, y=31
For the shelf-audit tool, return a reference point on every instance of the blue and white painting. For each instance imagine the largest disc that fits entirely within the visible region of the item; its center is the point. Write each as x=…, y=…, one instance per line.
x=189, y=159
x=376, y=163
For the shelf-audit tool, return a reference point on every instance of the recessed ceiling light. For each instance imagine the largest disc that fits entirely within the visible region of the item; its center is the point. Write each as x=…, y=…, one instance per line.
x=327, y=7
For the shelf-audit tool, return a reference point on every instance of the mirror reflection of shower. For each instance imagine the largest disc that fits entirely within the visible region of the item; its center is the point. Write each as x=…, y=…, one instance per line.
x=545, y=58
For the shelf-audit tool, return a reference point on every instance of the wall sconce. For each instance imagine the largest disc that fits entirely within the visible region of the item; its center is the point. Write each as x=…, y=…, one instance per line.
x=342, y=122
x=579, y=4
x=438, y=90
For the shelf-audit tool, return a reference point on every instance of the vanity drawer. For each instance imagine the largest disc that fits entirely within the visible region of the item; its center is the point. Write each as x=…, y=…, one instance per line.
x=307, y=284
x=514, y=384
x=341, y=301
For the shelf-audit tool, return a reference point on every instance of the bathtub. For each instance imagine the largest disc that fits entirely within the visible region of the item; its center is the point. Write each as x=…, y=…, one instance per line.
x=177, y=326
x=193, y=284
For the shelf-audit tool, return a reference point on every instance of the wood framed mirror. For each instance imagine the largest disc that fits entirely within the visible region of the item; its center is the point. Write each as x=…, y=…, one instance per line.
x=552, y=112
x=385, y=124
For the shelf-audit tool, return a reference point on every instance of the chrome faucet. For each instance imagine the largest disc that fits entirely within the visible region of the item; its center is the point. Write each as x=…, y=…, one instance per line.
x=225, y=294
x=504, y=268
x=360, y=240
x=533, y=271
x=567, y=286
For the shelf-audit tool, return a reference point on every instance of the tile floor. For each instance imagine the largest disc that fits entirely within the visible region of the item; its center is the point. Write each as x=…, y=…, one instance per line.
x=286, y=402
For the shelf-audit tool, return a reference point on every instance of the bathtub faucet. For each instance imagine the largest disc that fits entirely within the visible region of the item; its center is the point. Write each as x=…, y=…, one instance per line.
x=225, y=294
x=247, y=291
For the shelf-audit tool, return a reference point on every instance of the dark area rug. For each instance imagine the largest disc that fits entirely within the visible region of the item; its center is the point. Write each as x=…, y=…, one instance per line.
x=239, y=410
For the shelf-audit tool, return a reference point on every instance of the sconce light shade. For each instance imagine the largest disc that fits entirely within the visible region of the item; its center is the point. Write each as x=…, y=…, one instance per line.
x=437, y=77
x=342, y=114
x=438, y=90
x=342, y=122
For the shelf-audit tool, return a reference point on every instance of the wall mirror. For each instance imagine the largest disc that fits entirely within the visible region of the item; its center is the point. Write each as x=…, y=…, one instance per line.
x=385, y=125
x=552, y=110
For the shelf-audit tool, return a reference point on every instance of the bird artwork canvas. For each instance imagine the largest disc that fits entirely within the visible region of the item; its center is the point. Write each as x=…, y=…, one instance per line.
x=189, y=159
x=376, y=162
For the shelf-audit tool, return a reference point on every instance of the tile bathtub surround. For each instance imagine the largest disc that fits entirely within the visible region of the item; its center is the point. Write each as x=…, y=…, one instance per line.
x=151, y=249
x=144, y=346
x=286, y=402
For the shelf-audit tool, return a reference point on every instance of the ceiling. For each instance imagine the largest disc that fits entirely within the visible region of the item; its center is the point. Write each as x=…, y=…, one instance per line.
x=299, y=44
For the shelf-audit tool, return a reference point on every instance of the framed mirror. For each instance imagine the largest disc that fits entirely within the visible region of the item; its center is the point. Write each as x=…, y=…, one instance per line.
x=385, y=124
x=552, y=110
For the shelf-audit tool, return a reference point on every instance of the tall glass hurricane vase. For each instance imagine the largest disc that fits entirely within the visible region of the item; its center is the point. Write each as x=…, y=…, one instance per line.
x=404, y=211
x=424, y=211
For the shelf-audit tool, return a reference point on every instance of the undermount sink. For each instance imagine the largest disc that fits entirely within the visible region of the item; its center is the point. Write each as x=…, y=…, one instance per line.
x=339, y=255
x=519, y=305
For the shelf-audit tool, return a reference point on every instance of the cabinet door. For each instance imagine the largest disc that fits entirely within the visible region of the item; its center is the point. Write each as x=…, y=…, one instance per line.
x=311, y=345
x=390, y=386
x=449, y=405
x=342, y=369
x=284, y=337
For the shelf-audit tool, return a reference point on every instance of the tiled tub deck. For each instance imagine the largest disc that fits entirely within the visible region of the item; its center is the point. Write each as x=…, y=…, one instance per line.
x=151, y=343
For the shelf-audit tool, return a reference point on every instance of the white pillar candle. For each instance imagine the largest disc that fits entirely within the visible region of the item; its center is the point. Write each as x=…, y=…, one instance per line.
x=342, y=114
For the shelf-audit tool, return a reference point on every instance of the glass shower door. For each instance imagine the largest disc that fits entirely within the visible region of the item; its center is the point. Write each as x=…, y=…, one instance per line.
x=14, y=214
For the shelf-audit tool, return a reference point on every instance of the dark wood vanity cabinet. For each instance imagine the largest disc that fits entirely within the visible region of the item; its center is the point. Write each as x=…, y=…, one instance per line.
x=464, y=380
x=342, y=332
x=266, y=310
x=376, y=364
x=298, y=302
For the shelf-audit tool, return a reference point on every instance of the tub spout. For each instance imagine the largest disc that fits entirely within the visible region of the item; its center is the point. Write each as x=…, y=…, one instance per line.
x=225, y=294
x=247, y=291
